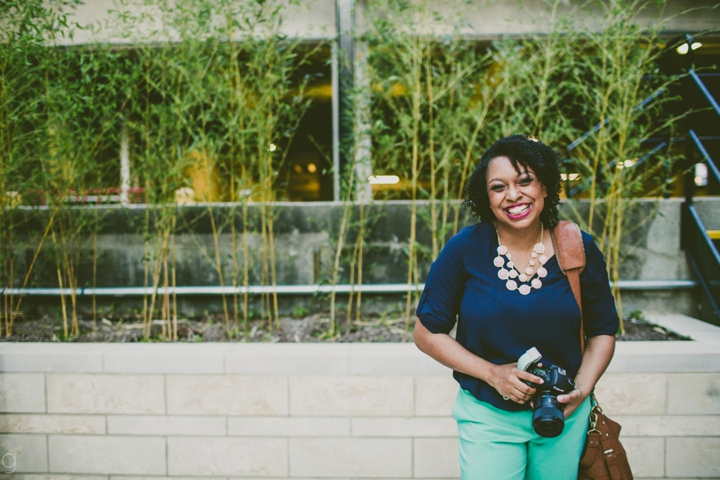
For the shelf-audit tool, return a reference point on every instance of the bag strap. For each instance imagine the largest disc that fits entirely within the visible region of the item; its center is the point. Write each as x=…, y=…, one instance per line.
x=570, y=253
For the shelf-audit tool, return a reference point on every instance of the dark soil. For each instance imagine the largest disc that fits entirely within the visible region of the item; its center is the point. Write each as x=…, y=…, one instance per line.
x=639, y=329
x=308, y=329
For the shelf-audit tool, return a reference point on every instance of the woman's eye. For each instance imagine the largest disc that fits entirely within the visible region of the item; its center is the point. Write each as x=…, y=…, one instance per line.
x=526, y=181
x=496, y=188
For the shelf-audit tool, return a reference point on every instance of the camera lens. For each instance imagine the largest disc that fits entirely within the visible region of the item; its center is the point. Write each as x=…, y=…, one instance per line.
x=548, y=419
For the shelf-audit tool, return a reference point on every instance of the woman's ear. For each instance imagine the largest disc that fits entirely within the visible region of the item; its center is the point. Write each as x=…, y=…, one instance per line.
x=544, y=191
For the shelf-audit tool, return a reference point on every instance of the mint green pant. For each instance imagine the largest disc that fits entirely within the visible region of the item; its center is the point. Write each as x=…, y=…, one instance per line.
x=499, y=445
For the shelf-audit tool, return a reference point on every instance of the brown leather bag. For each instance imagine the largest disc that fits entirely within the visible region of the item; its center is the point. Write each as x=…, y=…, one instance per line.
x=604, y=456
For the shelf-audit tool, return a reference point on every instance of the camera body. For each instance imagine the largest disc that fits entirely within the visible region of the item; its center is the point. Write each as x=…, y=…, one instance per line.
x=548, y=418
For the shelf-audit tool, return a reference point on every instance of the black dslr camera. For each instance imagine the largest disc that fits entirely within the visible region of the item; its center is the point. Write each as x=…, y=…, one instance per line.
x=548, y=418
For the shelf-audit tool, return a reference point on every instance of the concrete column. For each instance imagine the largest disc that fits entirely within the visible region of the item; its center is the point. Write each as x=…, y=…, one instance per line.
x=345, y=60
x=363, y=146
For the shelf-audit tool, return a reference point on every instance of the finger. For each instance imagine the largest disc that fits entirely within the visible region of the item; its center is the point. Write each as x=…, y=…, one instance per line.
x=528, y=377
x=569, y=397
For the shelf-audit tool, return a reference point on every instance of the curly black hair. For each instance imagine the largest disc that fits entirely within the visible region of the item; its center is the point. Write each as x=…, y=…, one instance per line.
x=523, y=151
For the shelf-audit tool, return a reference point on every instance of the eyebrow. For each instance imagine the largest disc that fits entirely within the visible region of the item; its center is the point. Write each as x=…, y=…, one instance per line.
x=521, y=175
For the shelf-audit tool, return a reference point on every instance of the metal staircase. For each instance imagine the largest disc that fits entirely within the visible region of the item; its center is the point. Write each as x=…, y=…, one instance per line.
x=702, y=146
x=699, y=93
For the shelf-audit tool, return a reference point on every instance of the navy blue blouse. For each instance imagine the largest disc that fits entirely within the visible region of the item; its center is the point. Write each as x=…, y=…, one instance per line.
x=499, y=325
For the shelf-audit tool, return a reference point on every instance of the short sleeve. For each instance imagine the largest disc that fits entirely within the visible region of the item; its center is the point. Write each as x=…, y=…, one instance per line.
x=599, y=313
x=444, y=288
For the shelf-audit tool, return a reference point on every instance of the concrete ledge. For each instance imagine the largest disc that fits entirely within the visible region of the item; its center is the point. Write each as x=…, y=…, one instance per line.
x=702, y=354
x=302, y=411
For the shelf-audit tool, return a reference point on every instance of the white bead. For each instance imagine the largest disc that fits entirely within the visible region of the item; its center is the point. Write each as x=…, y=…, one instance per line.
x=543, y=259
x=539, y=248
x=511, y=285
x=513, y=273
x=531, y=263
x=536, y=283
x=523, y=278
x=499, y=262
x=529, y=270
x=511, y=265
x=524, y=289
x=534, y=254
x=542, y=273
x=503, y=274
x=502, y=250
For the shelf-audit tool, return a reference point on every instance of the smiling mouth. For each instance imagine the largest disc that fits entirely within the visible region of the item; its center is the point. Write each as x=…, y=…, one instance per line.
x=518, y=210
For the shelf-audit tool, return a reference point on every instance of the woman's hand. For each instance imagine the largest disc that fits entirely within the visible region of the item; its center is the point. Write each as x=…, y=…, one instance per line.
x=572, y=401
x=508, y=381
x=598, y=353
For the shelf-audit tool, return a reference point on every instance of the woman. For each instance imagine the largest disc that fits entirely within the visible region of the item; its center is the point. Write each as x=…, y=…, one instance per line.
x=501, y=280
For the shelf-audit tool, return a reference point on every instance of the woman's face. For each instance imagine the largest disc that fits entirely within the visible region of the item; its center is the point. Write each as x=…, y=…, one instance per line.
x=516, y=199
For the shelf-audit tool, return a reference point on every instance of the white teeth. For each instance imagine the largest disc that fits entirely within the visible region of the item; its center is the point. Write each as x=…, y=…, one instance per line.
x=518, y=210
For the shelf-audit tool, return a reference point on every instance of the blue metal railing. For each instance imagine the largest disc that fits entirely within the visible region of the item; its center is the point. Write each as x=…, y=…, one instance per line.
x=702, y=252
x=705, y=261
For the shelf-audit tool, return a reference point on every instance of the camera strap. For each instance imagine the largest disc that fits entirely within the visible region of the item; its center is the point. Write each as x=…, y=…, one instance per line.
x=570, y=253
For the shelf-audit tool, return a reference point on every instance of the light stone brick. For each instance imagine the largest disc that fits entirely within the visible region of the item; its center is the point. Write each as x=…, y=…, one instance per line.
x=226, y=395
x=694, y=394
x=669, y=425
x=632, y=394
x=435, y=396
x=60, y=477
x=392, y=359
x=351, y=396
x=200, y=456
x=135, y=477
x=161, y=425
x=107, y=454
x=167, y=358
x=22, y=392
x=436, y=458
x=139, y=394
x=288, y=426
x=663, y=357
x=697, y=457
x=404, y=427
x=53, y=357
x=71, y=424
x=23, y=453
x=140, y=477
x=351, y=457
x=646, y=455
x=288, y=358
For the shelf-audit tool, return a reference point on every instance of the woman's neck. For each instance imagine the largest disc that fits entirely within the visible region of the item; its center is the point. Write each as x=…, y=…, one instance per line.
x=520, y=239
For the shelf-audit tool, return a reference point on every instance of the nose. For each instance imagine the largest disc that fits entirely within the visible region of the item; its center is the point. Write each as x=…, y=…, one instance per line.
x=513, y=193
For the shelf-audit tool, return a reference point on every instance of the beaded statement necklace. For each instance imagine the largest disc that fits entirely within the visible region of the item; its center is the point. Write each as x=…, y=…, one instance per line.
x=530, y=278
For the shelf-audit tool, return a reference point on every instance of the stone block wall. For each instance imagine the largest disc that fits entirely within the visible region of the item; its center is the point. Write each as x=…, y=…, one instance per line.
x=333, y=411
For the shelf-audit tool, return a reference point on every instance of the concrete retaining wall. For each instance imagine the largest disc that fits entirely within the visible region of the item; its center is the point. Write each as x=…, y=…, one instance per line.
x=304, y=251
x=335, y=411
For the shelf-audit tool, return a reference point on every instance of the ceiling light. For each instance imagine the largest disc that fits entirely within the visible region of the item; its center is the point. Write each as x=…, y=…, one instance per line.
x=683, y=49
x=383, y=179
x=311, y=168
x=701, y=175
